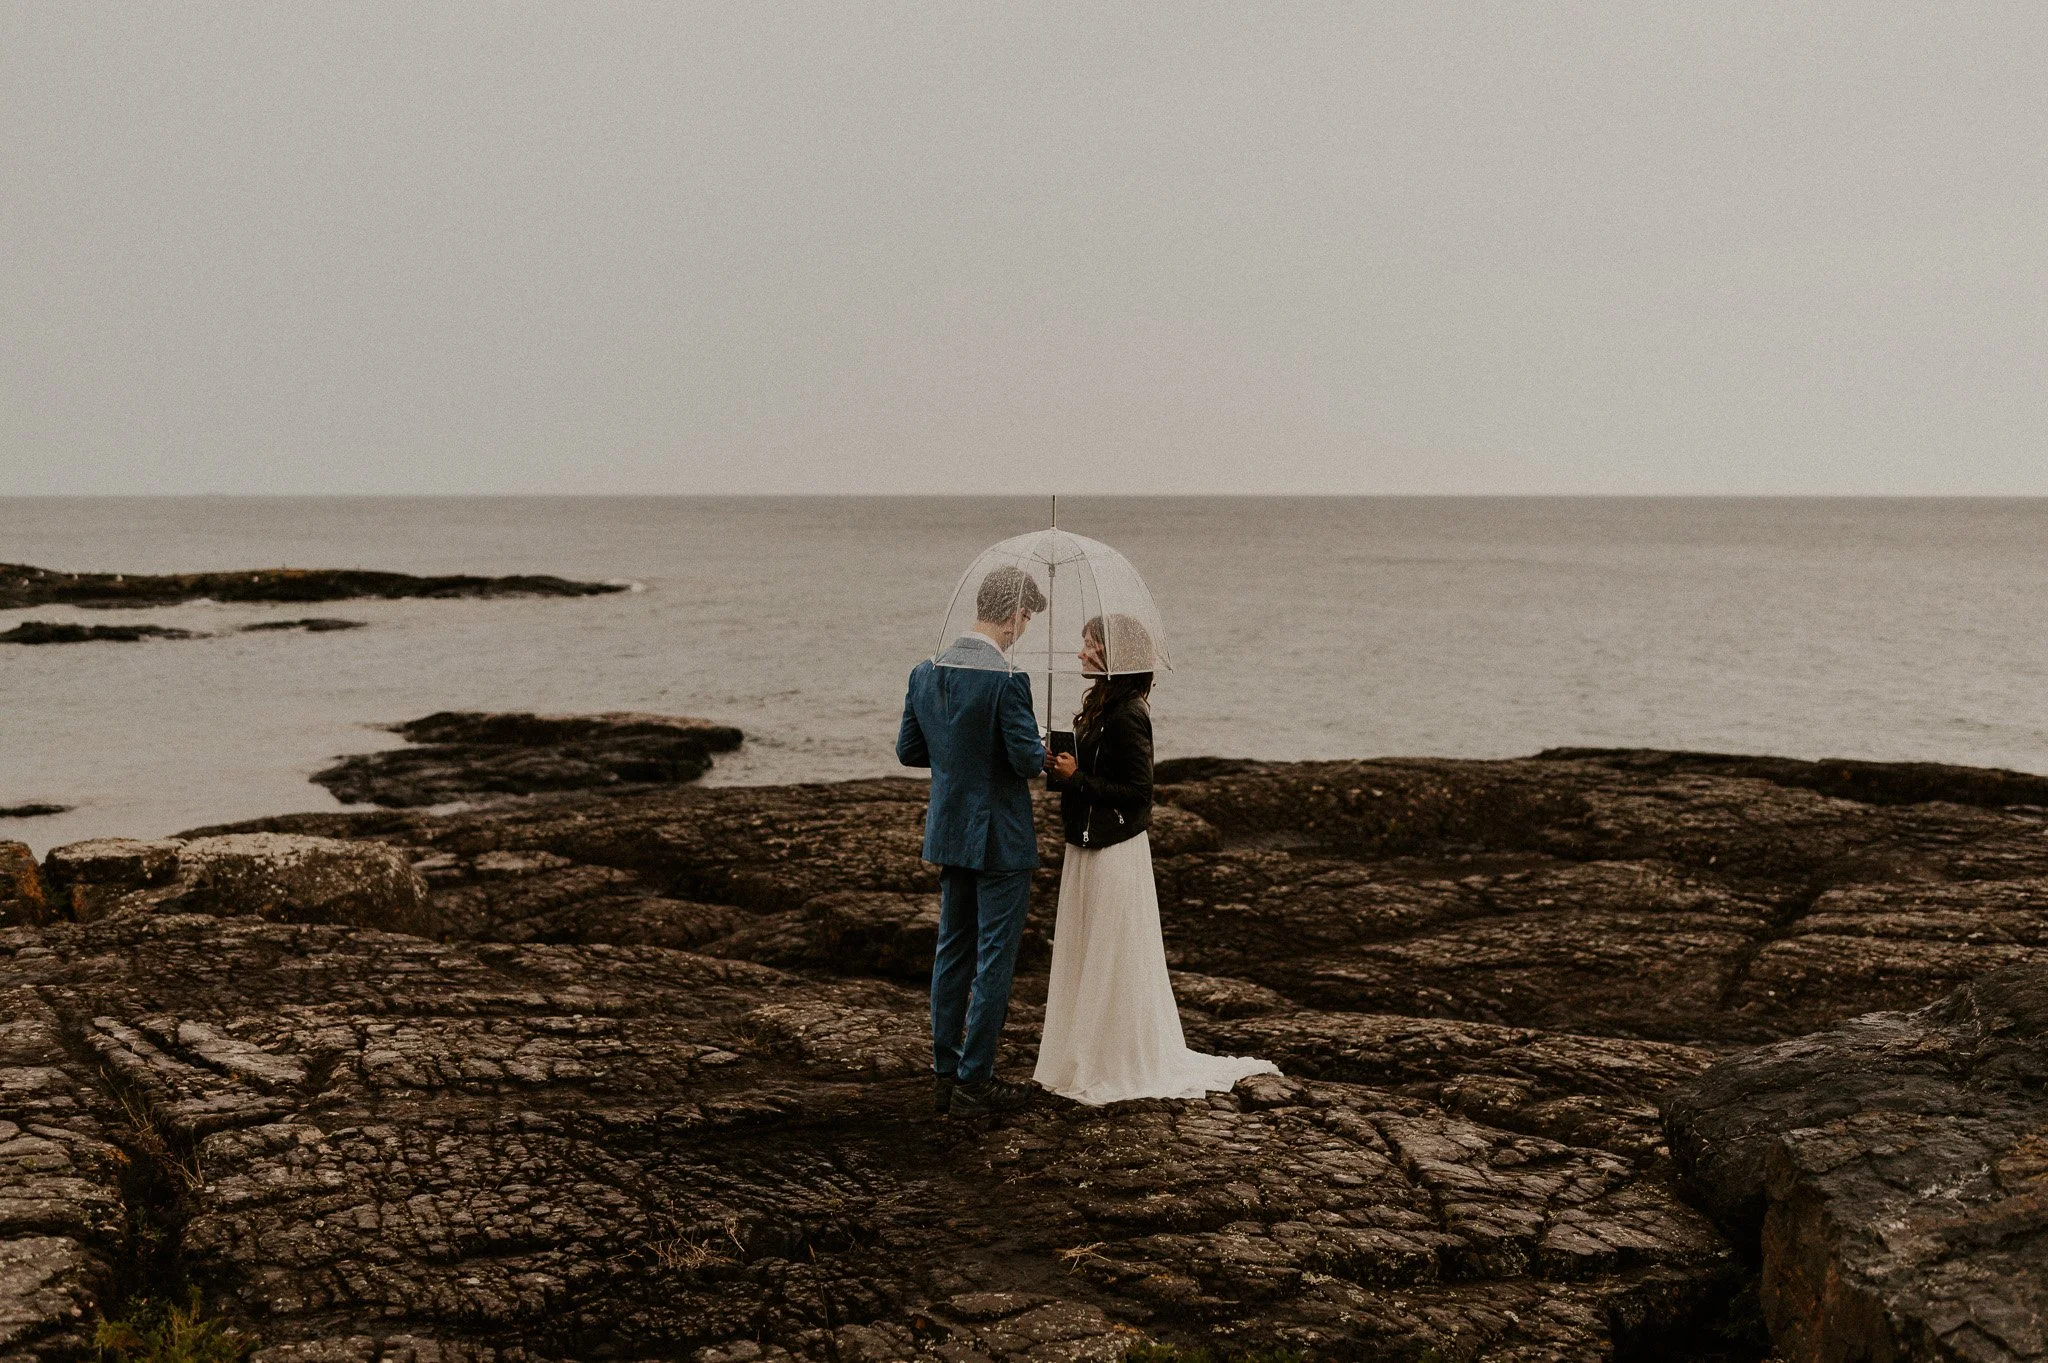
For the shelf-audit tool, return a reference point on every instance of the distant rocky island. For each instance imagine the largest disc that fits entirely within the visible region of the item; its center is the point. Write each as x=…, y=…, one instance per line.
x=60, y=632
x=64, y=632
x=23, y=586
x=1591, y=1055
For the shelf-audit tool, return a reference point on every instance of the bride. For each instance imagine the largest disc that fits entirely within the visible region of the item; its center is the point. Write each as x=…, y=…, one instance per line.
x=1112, y=1030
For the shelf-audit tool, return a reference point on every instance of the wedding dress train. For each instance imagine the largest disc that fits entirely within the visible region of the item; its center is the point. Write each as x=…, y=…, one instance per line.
x=1111, y=1028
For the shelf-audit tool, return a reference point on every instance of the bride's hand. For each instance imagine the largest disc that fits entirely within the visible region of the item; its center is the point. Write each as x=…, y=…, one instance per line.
x=1064, y=766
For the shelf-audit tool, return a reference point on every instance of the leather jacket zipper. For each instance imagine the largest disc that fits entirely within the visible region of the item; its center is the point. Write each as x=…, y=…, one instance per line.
x=1088, y=824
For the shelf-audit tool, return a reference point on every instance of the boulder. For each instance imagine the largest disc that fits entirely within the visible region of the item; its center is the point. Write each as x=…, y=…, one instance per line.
x=126, y=863
x=22, y=900
x=295, y=879
x=287, y=877
x=88, y=879
x=1893, y=1174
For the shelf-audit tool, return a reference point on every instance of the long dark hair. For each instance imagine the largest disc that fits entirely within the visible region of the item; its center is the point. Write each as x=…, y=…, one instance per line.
x=1112, y=690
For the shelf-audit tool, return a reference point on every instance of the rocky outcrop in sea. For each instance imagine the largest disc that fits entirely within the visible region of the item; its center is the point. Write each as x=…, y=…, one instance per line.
x=315, y=625
x=1594, y=1055
x=65, y=632
x=460, y=755
x=61, y=632
x=22, y=586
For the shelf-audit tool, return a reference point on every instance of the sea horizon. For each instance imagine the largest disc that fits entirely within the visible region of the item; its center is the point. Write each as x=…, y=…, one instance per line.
x=1301, y=626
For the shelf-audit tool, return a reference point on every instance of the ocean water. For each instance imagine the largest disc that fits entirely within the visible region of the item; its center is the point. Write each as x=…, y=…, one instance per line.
x=1299, y=628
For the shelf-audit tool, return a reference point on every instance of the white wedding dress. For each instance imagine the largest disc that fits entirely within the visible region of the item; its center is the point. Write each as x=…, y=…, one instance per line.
x=1111, y=1028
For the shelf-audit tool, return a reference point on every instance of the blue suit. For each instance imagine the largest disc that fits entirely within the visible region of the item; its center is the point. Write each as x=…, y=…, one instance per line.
x=971, y=723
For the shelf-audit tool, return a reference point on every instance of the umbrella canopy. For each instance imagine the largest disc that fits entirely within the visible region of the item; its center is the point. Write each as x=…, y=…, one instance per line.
x=1079, y=592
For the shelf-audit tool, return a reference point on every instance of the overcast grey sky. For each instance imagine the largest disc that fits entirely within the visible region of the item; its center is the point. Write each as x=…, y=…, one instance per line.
x=1429, y=247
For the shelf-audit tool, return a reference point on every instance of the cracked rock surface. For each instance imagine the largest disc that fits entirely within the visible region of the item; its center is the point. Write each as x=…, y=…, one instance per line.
x=649, y=1078
x=1894, y=1172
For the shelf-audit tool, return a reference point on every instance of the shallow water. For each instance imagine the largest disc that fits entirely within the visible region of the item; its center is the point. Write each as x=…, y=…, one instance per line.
x=1298, y=627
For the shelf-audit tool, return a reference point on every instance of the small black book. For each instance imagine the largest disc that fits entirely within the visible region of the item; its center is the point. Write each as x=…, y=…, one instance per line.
x=1058, y=741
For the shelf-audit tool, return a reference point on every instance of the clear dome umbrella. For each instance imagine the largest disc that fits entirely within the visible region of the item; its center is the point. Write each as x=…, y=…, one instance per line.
x=1081, y=592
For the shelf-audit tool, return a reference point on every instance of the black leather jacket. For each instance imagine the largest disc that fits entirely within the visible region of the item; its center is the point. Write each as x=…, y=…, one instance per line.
x=1110, y=798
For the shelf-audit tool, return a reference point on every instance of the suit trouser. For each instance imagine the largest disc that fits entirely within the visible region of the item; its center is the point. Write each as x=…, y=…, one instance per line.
x=981, y=920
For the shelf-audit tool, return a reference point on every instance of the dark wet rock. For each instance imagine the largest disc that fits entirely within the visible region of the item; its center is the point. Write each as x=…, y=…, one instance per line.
x=1629, y=947
x=467, y=755
x=516, y=729
x=21, y=585
x=660, y=1089
x=32, y=811
x=1883, y=783
x=1581, y=1090
x=1174, y=770
x=53, y=632
x=1893, y=1174
x=316, y=625
x=1217, y=998
x=22, y=898
x=1557, y=895
x=882, y=934
x=1596, y=896
x=1900, y=943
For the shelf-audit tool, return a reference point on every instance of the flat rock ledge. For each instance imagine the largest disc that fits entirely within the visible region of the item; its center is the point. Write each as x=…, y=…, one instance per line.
x=471, y=756
x=648, y=1078
x=1893, y=1174
x=22, y=586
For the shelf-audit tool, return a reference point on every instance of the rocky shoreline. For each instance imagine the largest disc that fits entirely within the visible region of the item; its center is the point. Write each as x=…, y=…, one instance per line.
x=1594, y=1055
x=22, y=586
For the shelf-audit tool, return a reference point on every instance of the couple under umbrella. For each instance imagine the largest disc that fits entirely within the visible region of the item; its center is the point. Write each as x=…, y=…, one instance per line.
x=1112, y=1031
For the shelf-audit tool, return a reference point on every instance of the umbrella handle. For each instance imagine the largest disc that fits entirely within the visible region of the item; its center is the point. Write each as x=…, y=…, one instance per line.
x=1051, y=572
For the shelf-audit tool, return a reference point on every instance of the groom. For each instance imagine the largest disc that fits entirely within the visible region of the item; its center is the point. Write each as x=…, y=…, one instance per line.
x=968, y=717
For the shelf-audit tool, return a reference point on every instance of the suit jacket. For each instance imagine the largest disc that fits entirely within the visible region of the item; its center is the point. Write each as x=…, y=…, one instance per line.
x=969, y=719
